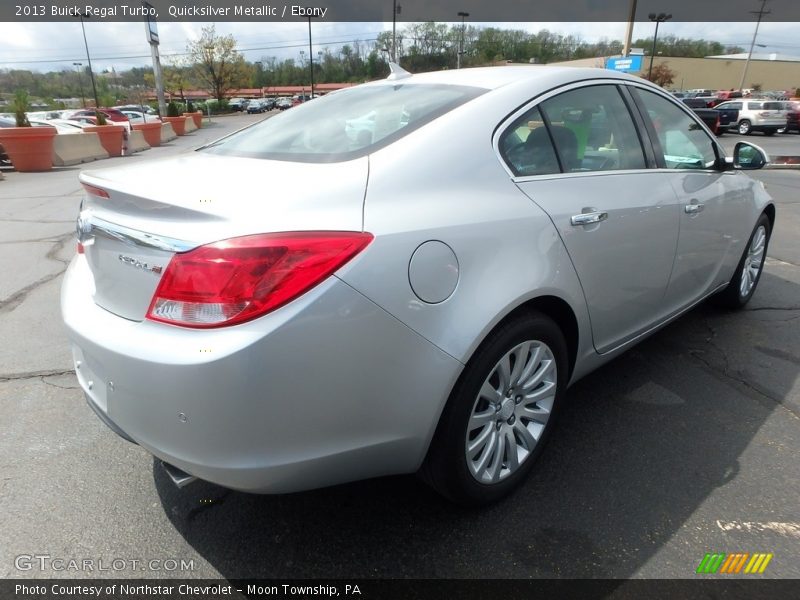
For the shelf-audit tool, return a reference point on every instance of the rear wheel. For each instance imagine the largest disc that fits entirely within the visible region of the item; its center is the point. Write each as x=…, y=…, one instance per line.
x=748, y=273
x=500, y=412
x=744, y=127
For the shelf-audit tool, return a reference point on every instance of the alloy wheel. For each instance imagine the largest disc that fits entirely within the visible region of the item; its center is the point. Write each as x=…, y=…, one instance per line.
x=511, y=411
x=753, y=262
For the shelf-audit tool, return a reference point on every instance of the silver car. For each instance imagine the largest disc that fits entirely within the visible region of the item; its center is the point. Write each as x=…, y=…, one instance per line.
x=404, y=276
x=766, y=116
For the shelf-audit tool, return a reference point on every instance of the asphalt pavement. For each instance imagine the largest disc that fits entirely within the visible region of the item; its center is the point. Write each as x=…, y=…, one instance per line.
x=686, y=444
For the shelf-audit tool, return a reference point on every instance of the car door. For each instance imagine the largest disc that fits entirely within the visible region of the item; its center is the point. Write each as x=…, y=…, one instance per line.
x=579, y=156
x=712, y=200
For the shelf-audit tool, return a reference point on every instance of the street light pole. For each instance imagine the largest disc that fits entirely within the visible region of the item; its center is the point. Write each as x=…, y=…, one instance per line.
x=310, y=57
x=89, y=59
x=80, y=82
x=463, y=16
x=657, y=18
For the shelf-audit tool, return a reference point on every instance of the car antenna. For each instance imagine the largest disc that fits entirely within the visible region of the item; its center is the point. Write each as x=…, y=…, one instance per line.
x=397, y=72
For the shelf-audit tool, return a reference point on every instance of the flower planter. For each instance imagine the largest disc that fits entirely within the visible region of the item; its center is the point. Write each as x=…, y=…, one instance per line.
x=29, y=148
x=110, y=137
x=197, y=117
x=178, y=124
x=151, y=132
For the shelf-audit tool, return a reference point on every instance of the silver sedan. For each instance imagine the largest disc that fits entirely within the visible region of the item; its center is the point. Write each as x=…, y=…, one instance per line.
x=405, y=276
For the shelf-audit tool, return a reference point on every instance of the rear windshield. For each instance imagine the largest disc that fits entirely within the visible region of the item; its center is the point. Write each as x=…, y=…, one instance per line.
x=345, y=124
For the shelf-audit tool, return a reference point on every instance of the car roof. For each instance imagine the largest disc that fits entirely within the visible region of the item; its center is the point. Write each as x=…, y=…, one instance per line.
x=497, y=77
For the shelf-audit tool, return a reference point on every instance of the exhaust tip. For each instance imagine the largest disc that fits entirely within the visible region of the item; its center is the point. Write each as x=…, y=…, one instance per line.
x=179, y=478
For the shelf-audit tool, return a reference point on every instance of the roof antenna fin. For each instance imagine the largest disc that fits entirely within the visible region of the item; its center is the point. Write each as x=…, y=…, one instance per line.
x=397, y=72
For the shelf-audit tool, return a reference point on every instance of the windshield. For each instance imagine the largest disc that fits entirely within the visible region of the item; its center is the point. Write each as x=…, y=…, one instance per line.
x=346, y=124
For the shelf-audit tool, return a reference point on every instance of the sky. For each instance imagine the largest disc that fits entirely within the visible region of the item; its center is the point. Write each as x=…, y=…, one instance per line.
x=55, y=46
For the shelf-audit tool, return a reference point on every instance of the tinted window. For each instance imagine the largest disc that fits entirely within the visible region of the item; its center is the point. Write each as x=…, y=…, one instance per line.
x=346, y=124
x=753, y=105
x=527, y=148
x=593, y=130
x=684, y=143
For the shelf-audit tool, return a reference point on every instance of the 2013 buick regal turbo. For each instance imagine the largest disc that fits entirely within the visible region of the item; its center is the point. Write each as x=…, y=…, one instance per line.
x=401, y=277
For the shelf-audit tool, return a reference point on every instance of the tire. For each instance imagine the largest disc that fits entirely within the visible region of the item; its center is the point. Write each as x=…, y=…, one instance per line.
x=471, y=460
x=744, y=127
x=739, y=292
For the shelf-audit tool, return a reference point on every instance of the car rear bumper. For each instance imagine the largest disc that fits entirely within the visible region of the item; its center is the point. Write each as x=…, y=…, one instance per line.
x=327, y=389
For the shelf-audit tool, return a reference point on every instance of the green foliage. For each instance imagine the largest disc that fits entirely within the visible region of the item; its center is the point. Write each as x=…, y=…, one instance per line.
x=101, y=118
x=797, y=93
x=172, y=110
x=21, y=105
x=218, y=65
x=189, y=106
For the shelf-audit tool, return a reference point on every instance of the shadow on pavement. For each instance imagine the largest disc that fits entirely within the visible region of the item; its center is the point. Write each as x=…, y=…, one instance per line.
x=640, y=445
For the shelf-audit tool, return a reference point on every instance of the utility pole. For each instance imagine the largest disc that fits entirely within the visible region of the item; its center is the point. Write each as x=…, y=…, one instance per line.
x=761, y=12
x=152, y=38
x=463, y=16
x=89, y=58
x=80, y=82
x=626, y=49
x=310, y=57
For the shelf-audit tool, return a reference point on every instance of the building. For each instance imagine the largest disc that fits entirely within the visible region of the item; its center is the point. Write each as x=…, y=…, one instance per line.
x=767, y=71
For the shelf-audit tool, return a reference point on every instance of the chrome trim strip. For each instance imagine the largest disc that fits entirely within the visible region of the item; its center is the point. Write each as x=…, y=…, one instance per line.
x=91, y=224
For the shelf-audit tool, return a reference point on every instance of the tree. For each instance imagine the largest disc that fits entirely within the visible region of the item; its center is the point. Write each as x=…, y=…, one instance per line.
x=218, y=65
x=662, y=75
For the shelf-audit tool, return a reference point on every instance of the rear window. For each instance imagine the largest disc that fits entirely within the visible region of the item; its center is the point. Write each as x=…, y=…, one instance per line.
x=347, y=124
x=773, y=105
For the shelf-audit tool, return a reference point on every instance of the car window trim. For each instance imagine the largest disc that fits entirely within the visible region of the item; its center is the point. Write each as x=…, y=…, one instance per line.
x=536, y=101
x=719, y=153
x=644, y=136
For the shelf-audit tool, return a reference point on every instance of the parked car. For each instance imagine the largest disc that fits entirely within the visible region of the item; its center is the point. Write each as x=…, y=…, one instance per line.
x=138, y=108
x=391, y=310
x=766, y=116
x=255, y=107
x=723, y=95
x=792, y=108
x=136, y=117
x=237, y=104
x=283, y=103
x=112, y=114
x=62, y=126
x=718, y=120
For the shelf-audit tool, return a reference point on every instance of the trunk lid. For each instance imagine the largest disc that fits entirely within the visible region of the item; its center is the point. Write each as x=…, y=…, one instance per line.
x=154, y=210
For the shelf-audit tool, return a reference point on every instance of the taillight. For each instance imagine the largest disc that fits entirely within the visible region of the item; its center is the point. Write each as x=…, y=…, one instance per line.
x=239, y=279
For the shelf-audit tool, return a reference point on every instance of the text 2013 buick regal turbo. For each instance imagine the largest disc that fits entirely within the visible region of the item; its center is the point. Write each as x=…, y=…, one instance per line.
x=403, y=276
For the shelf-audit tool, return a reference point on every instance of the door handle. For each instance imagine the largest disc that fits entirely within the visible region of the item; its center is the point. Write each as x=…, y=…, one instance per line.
x=588, y=218
x=691, y=209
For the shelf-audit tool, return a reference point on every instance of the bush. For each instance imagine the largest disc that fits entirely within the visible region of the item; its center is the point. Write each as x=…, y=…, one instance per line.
x=172, y=110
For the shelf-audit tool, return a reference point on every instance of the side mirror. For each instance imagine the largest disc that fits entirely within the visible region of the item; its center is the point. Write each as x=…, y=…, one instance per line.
x=749, y=157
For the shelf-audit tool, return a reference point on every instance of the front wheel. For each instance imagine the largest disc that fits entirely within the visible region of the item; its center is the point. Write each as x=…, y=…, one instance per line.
x=744, y=127
x=499, y=413
x=748, y=273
